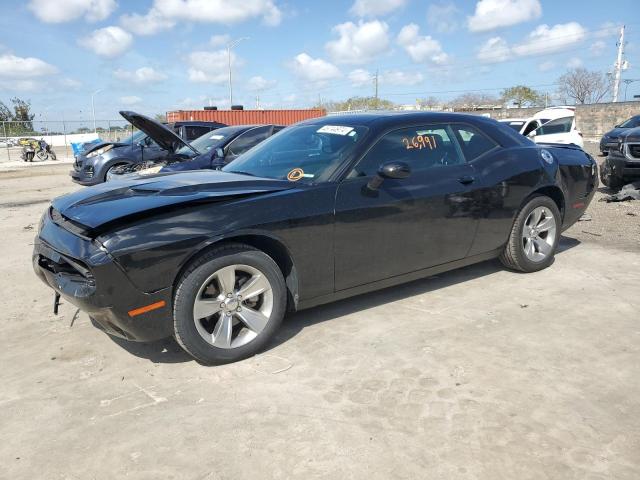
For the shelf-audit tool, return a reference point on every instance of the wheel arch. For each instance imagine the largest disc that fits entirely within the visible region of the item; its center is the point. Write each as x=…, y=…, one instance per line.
x=267, y=244
x=554, y=193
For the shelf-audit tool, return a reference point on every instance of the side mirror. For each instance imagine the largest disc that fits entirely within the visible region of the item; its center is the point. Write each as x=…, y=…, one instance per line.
x=219, y=153
x=532, y=134
x=393, y=170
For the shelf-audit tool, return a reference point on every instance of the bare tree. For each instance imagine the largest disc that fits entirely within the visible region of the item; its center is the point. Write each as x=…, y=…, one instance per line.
x=428, y=103
x=474, y=101
x=584, y=86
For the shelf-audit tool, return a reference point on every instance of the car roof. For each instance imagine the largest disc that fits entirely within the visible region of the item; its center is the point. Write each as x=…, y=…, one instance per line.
x=384, y=119
x=513, y=119
x=195, y=123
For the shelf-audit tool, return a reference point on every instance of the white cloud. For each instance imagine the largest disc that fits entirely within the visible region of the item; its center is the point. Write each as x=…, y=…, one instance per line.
x=575, y=62
x=443, y=17
x=141, y=76
x=70, y=83
x=211, y=67
x=14, y=67
x=164, y=14
x=597, y=48
x=421, y=48
x=546, y=66
x=218, y=40
x=492, y=14
x=360, y=77
x=259, y=83
x=108, y=42
x=545, y=39
x=358, y=44
x=130, y=100
x=375, y=8
x=314, y=69
x=363, y=78
x=398, y=77
x=494, y=50
x=60, y=11
x=607, y=29
x=149, y=24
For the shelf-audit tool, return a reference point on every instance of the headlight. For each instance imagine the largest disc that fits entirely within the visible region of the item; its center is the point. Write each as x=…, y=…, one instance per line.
x=99, y=151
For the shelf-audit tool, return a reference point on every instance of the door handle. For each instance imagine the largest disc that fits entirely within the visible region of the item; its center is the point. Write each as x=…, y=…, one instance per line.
x=466, y=179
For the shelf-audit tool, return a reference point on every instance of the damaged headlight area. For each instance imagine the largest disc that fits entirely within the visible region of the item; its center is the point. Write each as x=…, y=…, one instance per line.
x=99, y=151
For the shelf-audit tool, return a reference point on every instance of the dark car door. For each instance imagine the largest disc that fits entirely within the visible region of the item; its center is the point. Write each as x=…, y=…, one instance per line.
x=405, y=225
x=245, y=142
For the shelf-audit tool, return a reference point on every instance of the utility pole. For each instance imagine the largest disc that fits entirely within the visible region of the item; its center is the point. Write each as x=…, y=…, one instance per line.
x=619, y=65
x=375, y=82
x=93, y=108
x=627, y=81
x=230, y=45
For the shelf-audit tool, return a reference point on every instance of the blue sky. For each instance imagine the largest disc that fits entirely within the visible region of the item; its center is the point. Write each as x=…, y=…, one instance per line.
x=159, y=55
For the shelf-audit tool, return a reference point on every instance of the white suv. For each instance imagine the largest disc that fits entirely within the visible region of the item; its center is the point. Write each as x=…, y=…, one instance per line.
x=560, y=127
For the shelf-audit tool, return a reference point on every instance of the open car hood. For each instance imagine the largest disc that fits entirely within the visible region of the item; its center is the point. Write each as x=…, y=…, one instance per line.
x=96, y=206
x=160, y=134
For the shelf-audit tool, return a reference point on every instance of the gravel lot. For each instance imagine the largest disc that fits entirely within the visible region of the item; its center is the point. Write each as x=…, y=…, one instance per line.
x=480, y=373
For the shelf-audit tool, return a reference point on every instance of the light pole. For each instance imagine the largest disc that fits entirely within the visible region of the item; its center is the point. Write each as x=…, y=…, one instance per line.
x=230, y=45
x=93, y=109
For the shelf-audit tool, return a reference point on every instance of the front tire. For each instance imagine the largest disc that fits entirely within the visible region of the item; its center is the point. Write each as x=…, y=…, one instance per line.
x=613, y=182
x=228, y=304
x=534, y=236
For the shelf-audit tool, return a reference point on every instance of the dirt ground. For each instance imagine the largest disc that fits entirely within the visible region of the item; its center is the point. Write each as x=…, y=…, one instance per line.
x=479, y=373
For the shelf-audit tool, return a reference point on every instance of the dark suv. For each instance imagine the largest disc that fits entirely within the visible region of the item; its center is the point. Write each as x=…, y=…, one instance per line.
x=98, y=163
x=610, y=139
x=622, y=165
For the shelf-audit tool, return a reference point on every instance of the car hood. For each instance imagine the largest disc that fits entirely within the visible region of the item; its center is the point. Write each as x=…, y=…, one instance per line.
x=616, y=132
x=160, y=134
x=631, y=135
x=96, y=206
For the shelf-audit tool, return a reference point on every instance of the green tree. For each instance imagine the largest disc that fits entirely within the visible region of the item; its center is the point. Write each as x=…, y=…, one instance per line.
x=5, y=113
x=522, y=96
x=358, y=103
x=160, y=117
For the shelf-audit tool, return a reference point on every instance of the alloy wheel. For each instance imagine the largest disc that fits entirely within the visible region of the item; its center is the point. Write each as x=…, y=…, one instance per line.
x=233, y=306
x=539, y=234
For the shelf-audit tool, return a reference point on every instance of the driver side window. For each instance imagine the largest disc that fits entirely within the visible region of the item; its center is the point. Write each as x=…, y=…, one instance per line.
x=247, y=140
x=421, y=147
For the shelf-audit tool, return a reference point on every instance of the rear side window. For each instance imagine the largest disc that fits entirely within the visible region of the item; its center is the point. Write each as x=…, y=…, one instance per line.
x=474, y=143
x=422, y=148
x=192, y=133
x=248, y=140
x=559, y=125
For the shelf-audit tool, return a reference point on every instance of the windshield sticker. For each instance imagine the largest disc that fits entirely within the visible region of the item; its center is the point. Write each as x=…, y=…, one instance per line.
x=420, y=142
x=295, y=174
x=335, y=130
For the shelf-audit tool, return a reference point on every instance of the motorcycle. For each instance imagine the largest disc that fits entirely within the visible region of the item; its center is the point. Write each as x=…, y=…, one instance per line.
x=37, y=148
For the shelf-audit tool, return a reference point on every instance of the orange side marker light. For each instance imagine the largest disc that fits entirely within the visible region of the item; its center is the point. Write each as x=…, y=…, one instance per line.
x=148, y=308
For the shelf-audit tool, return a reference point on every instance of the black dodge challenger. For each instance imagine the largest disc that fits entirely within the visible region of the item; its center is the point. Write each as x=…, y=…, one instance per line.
x=326, y=209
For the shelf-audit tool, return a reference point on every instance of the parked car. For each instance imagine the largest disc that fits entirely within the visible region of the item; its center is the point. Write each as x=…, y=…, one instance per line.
x=215, y=149
x=552, y=113
x=524, y=126
x=561, y=130
x=610, y=139
x=326, y=209
x=190, y=130
x=99, y=162
x=622, y=164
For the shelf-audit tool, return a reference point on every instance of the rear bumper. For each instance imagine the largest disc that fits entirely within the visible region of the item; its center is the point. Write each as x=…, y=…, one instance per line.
x=84, y=274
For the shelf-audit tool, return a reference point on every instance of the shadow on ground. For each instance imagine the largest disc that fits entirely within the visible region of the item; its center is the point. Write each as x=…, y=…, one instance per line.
x=168, y=350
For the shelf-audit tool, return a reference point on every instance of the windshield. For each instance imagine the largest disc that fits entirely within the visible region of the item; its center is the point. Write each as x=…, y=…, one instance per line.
x=135, y=137
x=559, y=125
x=305, y=153
x=209, y=140
x=633, y=122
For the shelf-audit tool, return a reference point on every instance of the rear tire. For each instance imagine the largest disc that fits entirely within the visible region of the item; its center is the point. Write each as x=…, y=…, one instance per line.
x=534, y=236
x=228, y=304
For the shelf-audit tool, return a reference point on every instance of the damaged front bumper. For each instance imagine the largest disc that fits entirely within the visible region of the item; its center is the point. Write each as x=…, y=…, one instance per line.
x=83, y=273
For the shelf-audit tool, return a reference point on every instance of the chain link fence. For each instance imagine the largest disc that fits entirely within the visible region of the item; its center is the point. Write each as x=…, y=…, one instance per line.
x=59, y=134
